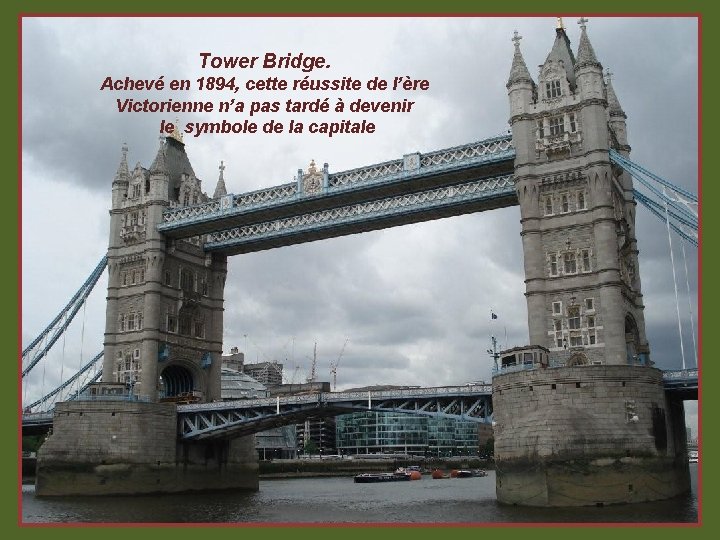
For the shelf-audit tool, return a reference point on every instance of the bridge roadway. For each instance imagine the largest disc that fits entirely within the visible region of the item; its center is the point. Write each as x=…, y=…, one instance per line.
x=224, y=419
x=244, y=417
x=417, y=187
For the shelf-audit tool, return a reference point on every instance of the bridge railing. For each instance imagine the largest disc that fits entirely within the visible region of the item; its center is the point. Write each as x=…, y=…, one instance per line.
x=691, y=373
x=496, y=148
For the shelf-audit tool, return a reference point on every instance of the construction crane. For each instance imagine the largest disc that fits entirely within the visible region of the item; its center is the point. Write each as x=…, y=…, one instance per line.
x=334, y=365
x=311, y=378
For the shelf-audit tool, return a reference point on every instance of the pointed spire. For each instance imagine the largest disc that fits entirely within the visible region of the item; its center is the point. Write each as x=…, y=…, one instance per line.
x=519, y=71
x=561, y=52
x=586, y=53
x=159, y=164
x=123, y=172
x=614, y=107
x=220, y=190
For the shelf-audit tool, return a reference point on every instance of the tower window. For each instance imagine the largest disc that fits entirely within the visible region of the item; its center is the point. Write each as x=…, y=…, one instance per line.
x=571, y=121
x=548, y=206
x=591, y=322
x=570, y=263
x=585, y=260
x=540, y=129
x=556, y=126
x=581, y=200
x=565, y=203
x=589, y=304
x=553, y=265
x=557, y=308
x=552, y=89
x=199, y=329
x=171, y=323
x=574, y=317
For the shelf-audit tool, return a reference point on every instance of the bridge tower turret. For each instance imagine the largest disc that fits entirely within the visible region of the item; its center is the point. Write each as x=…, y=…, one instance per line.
x=577, y=211
x=163, y=333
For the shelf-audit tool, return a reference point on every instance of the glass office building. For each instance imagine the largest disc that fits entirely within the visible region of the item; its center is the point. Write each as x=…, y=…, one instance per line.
x=388, y=432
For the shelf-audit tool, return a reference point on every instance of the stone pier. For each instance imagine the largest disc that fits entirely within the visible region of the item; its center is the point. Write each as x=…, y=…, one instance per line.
x=111, y=448
x=587, y=435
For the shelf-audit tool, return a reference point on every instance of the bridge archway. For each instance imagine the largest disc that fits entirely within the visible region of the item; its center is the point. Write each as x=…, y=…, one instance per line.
x=176, y=379
x=577, y=359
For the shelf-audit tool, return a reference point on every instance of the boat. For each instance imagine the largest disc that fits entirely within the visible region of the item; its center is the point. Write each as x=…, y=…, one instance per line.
x=467, y=473
x=374, y=478
x=693, y=456
x=437, y=474
x=413, y=471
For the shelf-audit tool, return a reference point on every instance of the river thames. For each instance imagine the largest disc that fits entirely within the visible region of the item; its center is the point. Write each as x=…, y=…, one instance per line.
x=340, y=500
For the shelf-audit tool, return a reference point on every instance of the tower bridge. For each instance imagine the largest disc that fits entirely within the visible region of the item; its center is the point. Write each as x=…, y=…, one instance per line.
x=584, y=389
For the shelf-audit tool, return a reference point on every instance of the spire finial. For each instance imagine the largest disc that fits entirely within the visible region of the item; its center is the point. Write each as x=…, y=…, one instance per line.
x=222, y=168
x=608, y=74
x=176, y=132
x=123, y=170
x=516, y=38
x=560, y=25
x=582, y=21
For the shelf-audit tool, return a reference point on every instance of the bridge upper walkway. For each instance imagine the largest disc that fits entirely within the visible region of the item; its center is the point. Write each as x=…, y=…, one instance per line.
x=418, y=187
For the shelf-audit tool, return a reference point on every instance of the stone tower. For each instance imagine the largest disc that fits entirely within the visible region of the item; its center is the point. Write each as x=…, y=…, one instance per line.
x=578, y=211
x=594, y=426
x=164, y=320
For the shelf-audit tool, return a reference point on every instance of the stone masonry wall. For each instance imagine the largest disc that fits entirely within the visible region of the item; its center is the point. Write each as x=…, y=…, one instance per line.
x=108, y=448
x=587, y=435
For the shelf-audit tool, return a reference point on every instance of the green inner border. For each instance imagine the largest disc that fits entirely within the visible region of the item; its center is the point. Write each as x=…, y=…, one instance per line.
x=10, y=215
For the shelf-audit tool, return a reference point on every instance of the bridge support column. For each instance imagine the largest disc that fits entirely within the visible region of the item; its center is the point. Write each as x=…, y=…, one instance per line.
x=120, y=448
x=586, y=436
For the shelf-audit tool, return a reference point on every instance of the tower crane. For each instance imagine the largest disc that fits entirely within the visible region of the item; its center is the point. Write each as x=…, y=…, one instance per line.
x=334, y=365
x=312, y=376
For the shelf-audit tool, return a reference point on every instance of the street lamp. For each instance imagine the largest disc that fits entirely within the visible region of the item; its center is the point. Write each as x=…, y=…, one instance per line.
x=493, y=352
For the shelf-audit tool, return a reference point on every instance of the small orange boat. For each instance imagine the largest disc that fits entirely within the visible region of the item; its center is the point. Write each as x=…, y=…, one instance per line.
x=437, y=474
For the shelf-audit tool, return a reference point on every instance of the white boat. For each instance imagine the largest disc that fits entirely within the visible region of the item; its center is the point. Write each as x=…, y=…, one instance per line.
x=693, y=456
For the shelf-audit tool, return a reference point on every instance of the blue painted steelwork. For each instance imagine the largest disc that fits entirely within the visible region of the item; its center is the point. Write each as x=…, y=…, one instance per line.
x=356, y=185
x=66, y=315
x=683, y=382
x=71, y=380
x=638, y=171
x=677, y=213
x=243, y=417
x=657, y=210
x=383, y=213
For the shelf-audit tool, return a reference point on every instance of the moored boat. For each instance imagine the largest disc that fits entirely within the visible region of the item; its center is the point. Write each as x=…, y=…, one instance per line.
x=467, y=473
x=373, y=478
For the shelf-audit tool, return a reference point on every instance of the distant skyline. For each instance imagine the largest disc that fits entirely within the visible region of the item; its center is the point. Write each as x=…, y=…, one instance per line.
x=413, y=302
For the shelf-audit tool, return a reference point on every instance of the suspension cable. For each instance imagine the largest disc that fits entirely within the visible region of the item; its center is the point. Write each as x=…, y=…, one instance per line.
x=677, y=302
x=690, y=308
x=82, y=343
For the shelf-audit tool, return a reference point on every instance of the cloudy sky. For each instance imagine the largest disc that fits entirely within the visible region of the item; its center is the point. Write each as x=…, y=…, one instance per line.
x=413, y=302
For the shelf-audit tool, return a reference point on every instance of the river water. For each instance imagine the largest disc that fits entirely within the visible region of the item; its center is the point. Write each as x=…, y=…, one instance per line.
x=340, y=500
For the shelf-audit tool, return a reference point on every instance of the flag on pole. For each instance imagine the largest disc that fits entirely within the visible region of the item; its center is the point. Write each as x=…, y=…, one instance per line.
x=492, y=315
